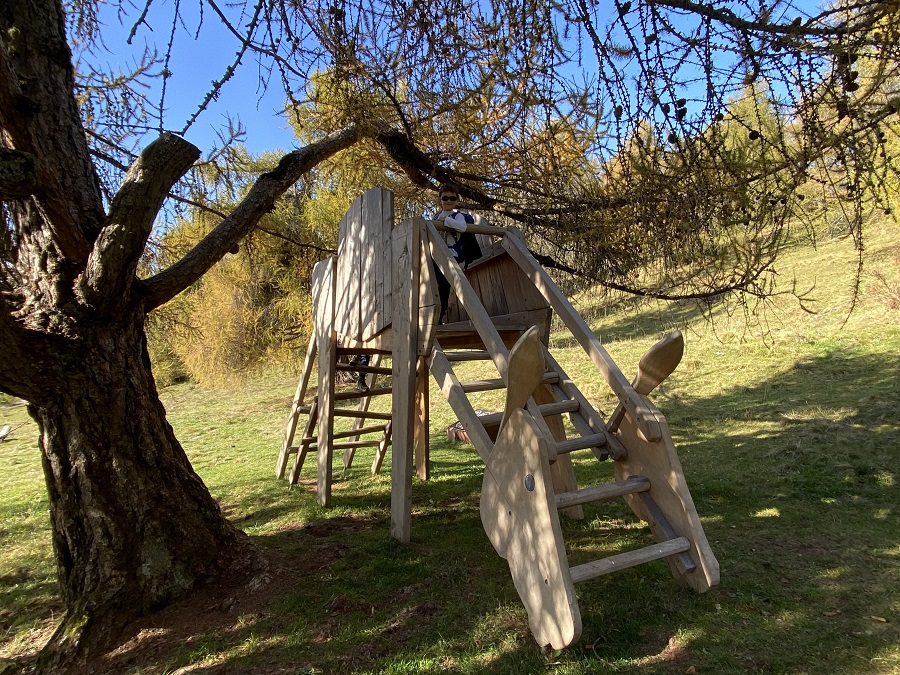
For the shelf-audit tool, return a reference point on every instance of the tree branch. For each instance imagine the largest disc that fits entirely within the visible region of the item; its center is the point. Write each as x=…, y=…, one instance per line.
x=112, y=263
x=164, y=286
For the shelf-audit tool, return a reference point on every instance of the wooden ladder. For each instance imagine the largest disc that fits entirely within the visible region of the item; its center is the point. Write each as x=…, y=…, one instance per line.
x=308, y=440
x=529, y=475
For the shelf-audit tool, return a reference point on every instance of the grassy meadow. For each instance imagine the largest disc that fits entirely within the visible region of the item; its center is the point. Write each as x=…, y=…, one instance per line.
x=787, y=429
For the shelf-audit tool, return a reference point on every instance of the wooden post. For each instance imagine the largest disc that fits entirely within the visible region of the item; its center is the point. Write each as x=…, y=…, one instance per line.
x=326, y=338
x=405, y=244
x=423, y=459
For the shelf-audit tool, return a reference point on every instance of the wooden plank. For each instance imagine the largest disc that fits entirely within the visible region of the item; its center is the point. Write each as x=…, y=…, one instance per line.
x=658, y=462
x=545, y=410
x=602, y=493
x=387, y=227
x=405, y=245
x=354, y=290
x=449, y=385
x=622, y=561
x=475, y=228
x=429, y=298
x=420, y=434
x=345, y=265
x=582, y=333
x=501, y=290
x=356, y=432
x=296, y=404
x=374, y=370
x=325, y=337
x=354, y=444
x=369, y=240
x=682, y=561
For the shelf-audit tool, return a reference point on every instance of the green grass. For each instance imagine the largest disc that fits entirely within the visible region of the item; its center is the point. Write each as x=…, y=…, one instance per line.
x=788, y=434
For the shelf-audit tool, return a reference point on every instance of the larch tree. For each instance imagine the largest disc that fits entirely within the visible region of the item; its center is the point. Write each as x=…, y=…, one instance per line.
x=527, y=105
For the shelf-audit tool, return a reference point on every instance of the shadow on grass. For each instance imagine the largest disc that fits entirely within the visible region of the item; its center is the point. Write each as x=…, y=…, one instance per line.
x=795, y=480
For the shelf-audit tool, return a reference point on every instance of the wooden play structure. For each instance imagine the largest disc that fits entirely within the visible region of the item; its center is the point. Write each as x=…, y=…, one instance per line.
x=378, y=296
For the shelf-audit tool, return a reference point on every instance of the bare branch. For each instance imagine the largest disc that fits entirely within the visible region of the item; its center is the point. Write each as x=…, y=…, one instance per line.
x=260, y=200
x=113, y=260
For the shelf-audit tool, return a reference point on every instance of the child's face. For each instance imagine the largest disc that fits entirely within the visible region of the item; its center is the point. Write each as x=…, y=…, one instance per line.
x=449, y=200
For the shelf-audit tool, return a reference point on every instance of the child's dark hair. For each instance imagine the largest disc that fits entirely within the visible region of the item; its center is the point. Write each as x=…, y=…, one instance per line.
x=449, y=187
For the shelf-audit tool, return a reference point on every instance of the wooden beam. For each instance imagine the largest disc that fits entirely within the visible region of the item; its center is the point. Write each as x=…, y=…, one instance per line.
x=405, y=246
x=325, y=337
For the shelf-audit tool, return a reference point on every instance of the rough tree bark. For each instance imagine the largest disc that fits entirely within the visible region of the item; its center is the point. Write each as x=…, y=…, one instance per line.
x=133, y=526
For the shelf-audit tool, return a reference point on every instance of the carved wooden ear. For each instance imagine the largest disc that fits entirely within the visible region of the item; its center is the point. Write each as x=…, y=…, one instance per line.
x=524, y=372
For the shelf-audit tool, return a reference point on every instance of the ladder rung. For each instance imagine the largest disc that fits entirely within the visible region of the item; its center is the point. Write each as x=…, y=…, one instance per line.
x=497, y=383
x=349, y=444
x=304, y=408
x=366, y=414
x=581, y=442
x=599, y=493
x=359, y=432
x=472, y=355
x=622, y=561
x=547, y=410
x=656, y=517
x=363, y=369
x=357, y=393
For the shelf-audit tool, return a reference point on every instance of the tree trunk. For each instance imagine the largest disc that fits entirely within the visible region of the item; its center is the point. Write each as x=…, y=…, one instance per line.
x=133, y=526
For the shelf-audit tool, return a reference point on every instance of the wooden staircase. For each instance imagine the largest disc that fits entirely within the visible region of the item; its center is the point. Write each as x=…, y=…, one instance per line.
x=500, y=317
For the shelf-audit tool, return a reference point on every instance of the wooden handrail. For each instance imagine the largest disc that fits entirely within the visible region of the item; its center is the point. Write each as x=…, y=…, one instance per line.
x=635, y=404
x=475, y=228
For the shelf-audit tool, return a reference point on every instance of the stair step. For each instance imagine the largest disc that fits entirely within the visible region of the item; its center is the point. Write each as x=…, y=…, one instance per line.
x=363, y=369
x=374, y=391
x=622, y=561
x=464, y=328
x=580, y=443
x=599, y=493
x=470, y=355
x=497, y=383
x=366, y=414
x=547, y=410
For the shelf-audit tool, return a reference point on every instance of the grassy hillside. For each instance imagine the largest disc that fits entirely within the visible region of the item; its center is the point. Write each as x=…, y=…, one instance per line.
x=788, y=434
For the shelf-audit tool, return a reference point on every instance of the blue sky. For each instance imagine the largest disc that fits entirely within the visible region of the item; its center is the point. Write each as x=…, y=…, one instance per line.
x=195, y=64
